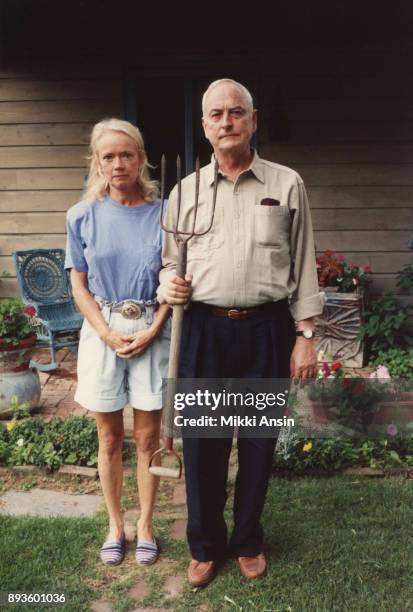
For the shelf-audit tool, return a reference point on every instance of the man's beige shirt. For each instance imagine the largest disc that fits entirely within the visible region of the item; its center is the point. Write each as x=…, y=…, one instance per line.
x=253, y=253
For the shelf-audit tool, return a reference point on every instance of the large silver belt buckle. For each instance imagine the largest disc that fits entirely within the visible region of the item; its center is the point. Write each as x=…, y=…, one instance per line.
x=130, y=310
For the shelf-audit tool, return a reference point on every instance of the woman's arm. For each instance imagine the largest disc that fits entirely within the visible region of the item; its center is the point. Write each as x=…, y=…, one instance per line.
x=90, y=309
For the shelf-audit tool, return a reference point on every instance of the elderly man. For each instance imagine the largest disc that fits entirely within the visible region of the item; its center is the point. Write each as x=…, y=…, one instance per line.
x=249, y=277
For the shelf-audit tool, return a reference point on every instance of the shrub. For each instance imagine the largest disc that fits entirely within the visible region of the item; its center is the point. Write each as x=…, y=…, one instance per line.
x=34, y=442
x=399, y=362
x=330, y=455
x=386, y=325
x=405, y=279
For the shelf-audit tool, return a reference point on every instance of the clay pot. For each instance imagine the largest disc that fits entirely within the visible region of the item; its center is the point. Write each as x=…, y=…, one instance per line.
x=399, y=412
x=17, y=379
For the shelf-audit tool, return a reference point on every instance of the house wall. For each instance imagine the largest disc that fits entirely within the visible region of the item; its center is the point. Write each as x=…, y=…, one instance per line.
x=342, y=119
x=45, y=121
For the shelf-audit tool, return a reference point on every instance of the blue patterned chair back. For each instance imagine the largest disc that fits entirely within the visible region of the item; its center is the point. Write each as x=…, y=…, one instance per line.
x=41, y=276
x=45, y=284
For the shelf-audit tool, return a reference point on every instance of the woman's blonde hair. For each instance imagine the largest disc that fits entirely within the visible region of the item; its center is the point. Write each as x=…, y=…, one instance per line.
x=96, y=185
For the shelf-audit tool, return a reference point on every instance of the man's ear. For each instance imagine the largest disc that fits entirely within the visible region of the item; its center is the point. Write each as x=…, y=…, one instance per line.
x=203, y=125
x=254, y=119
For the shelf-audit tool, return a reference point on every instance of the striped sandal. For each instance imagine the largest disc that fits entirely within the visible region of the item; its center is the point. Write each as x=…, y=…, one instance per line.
x=113, y=552
x=146, y=552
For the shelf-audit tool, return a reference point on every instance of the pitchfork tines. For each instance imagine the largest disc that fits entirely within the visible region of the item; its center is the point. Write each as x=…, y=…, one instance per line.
x=180, y=235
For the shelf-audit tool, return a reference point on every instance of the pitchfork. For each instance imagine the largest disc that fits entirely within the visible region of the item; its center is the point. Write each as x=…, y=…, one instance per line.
x=181, y=238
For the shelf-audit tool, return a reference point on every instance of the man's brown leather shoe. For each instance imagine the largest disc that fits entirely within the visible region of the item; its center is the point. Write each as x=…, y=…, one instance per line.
x=253, y=567
x=200, y=573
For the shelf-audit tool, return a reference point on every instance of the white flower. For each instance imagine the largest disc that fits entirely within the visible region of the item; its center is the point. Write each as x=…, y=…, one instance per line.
x=339, y=280
x=381, y=373
x=20, y=442
x=355, y=281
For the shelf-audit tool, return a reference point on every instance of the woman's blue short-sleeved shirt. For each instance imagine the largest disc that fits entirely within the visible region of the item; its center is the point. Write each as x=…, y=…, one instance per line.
x=118, y=246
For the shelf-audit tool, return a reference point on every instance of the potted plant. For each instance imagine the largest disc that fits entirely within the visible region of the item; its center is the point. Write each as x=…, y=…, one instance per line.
x=335, y=272
x=345, y=285
x=396, y=410
x=17, y=344
x=351, y=402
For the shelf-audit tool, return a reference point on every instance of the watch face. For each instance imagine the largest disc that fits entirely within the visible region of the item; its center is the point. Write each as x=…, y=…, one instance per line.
x=308, y=333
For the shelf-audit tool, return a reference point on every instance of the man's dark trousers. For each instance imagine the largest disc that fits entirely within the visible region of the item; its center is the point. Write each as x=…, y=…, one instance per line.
x=218, y=347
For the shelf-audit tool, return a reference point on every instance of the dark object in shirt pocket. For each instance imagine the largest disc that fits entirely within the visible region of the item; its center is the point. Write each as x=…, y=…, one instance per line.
x=271, y=226
x=269, y=202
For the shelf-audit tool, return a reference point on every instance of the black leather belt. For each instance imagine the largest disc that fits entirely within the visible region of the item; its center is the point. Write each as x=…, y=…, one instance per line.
x=241, y=313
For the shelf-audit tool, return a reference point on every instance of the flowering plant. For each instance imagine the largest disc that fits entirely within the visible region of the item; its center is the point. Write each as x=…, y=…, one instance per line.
x=381, y=373
x=334, y=271
x=351, y=401
x=32, y=441
x=16, y=321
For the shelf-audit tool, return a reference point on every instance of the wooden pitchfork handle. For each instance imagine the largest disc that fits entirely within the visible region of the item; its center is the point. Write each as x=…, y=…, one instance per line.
x=174, y=350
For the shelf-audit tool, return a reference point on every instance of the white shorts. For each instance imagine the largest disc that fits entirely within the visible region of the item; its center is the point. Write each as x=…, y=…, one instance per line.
x=106, y=382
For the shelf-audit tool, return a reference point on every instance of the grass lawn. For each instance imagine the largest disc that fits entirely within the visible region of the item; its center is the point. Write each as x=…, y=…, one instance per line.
x=333, y=544
x=49, y=555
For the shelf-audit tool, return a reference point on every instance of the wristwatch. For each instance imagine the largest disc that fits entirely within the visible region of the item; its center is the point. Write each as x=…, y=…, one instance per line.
x=307, y=333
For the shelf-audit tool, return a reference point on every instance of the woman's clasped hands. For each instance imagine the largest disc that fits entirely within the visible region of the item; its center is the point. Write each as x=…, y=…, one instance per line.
x=127, y=346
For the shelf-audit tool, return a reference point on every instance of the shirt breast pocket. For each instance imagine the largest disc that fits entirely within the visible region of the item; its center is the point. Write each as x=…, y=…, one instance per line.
x=271, y=226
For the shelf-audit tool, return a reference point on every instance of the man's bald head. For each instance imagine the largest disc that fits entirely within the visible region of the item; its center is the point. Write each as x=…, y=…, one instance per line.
x=244, y=91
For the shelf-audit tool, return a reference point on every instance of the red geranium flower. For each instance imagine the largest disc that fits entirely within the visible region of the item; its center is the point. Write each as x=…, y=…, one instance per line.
x=336, y=366
x=367, y=269
x=326, y=370
x=30, y=311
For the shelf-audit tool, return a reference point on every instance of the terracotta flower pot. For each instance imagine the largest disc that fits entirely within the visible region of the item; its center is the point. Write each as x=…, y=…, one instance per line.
x=398, y=412
x=16, y=357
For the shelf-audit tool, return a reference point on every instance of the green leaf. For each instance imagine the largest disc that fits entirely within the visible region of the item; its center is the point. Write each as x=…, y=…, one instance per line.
x=395, y=456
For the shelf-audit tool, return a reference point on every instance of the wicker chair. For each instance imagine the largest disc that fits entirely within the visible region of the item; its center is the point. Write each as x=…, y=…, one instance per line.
x=44, y=283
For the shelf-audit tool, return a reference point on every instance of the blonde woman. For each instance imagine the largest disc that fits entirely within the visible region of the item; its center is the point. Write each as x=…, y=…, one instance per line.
x=114, y=254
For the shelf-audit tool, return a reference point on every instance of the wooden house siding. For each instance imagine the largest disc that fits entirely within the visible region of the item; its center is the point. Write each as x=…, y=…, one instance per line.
x=344, y=122
x=341, y=118
x=45, y=122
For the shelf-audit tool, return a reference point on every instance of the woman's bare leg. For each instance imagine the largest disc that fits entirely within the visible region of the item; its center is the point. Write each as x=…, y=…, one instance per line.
x=146, y=433
x=111, y=433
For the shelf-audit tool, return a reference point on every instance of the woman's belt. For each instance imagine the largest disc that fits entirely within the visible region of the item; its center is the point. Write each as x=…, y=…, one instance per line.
x=131, y=309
